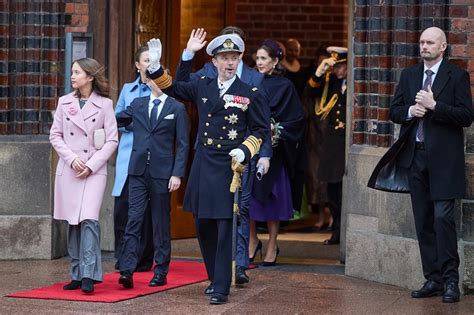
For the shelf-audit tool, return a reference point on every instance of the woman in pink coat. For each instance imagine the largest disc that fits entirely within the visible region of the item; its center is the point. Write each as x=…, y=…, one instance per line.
x=81, y=174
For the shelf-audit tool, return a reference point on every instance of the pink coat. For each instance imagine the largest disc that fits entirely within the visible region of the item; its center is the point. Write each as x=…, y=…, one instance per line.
x=72, y=135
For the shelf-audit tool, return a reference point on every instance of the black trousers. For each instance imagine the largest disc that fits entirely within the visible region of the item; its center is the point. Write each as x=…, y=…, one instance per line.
x=143, y=189
x=335, y=203
x=215, y=240
x=435, y=225
x=146, y=250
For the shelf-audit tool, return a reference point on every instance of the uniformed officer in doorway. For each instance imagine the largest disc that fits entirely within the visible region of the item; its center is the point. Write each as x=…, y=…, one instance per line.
x=232, y=124
x=330, y=83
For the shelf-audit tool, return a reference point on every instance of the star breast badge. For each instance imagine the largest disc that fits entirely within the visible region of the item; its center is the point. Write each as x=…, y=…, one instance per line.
x=233, y=118
x=232, y=135
x=204, y=100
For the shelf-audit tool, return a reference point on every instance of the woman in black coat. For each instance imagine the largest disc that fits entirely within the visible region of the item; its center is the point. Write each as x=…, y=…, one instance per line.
x=271, y=201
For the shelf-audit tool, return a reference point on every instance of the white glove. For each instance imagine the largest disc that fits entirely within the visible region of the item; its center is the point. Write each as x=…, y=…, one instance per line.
x=238, y=155
x=154, y=51
x=324, y=66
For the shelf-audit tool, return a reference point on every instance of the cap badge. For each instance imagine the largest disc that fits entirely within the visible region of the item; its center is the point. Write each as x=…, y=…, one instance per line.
x=228, y=44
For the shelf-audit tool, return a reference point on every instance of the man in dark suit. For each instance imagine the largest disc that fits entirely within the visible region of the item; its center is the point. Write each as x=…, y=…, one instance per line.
x=232, y=123
x=253, y=78
x=157, y=163
x=437, y=94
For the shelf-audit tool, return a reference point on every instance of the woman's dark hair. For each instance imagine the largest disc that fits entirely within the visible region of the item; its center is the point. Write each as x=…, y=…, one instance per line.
x=272, y=48
x=138, y=54
x=274, y=51
x=92, y=67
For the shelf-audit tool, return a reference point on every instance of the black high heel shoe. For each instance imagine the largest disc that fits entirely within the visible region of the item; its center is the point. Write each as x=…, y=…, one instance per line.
x=258, y=248
x=271, y=263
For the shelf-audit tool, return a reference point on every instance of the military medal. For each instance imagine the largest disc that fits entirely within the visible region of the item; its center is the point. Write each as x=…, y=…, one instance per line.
x=236, y=101
x=232, y=135
x=233, y=118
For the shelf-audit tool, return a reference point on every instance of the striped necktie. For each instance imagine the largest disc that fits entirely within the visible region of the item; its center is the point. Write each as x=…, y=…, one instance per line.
x=420, y=133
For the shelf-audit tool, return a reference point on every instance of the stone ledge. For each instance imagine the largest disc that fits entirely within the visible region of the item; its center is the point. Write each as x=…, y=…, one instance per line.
x=386, y=259
x=30, y=237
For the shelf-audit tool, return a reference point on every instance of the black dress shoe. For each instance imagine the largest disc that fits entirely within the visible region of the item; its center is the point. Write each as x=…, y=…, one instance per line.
x=158, y=280
x=240, y=276
x=87, y=285
x=126, y=280
x=451, y=293
x=218, y=298
x=209, y=290
x=73, y=285
x=430, y=288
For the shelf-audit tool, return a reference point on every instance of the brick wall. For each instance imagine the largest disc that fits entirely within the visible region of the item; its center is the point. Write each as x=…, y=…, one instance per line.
x=313, y=23
x=386, y=41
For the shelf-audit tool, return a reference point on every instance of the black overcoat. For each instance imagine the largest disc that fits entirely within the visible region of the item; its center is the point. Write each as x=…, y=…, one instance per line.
x=443, y=127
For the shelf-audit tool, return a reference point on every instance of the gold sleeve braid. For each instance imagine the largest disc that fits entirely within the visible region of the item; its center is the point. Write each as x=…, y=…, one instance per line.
x=164, y=81
x=312, y=83
x=253, y=144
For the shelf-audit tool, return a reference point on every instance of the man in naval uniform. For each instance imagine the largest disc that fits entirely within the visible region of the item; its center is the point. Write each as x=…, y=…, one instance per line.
x=228, y=111
x=329, y=83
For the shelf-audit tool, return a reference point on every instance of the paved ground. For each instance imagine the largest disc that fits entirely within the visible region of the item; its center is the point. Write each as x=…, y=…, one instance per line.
x=284, y=289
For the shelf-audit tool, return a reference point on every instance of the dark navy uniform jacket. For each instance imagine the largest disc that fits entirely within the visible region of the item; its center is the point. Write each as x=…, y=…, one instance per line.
x=249, y=76
x=224, y=122
x=333, y=146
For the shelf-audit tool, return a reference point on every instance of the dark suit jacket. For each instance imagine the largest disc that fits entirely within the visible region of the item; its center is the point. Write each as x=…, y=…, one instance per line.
x=443, y=127
x=169, y=134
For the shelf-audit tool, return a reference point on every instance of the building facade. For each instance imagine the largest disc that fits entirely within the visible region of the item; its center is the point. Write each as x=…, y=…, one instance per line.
x=40, y=37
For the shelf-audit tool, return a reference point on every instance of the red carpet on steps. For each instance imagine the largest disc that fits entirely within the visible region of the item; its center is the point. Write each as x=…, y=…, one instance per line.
x=109, y=291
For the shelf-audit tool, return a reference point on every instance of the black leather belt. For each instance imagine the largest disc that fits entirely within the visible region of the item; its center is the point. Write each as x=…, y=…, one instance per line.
x=420, y=145
x=212, y=141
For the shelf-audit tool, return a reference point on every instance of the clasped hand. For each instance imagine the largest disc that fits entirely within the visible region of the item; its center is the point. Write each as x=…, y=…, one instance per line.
x=81, y=169
x=424, y=102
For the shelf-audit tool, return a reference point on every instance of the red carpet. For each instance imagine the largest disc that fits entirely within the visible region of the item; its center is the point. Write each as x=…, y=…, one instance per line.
x=109, y=291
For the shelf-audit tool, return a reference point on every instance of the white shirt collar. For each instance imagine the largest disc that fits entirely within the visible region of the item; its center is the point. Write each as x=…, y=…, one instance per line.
x=434, y=68
x=226, y=84
x=162, y=98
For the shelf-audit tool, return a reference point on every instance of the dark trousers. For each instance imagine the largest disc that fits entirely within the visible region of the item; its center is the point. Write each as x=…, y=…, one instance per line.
x=142, y=189
x=435, y=225
x=215, y=240
x=243, y=230
x=146, y=250
x=335, y=201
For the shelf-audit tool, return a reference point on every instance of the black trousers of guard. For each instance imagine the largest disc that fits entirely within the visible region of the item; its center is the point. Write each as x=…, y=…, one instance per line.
x=435, y=225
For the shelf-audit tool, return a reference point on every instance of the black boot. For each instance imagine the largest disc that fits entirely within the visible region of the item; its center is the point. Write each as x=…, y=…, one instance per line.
x=87, y=285
x=73, y=285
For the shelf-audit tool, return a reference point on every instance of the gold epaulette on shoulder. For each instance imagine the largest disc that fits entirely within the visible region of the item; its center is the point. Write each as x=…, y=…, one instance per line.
x=164, y=81
x=254, y=89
